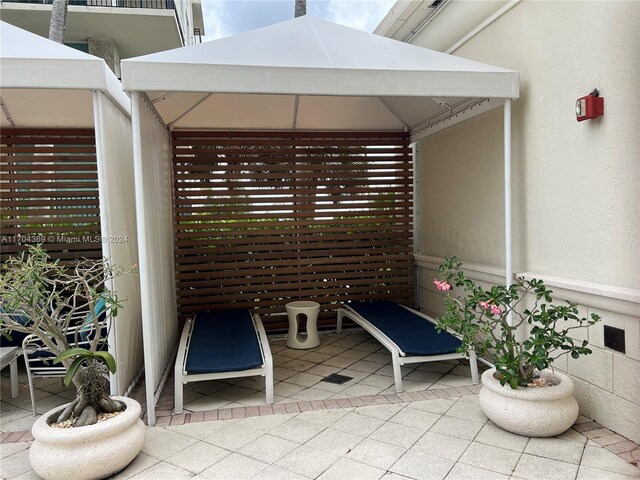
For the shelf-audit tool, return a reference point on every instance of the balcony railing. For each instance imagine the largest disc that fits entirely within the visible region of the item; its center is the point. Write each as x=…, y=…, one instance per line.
x=156, y=4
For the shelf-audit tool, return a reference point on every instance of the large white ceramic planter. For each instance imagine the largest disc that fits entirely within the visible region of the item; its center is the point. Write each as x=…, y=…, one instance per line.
x=87, y=453
x=535, y=412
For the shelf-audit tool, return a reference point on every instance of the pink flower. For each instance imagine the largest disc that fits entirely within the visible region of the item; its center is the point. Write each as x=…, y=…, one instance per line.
x=495, y=310
x=442, y=285
x=484, y=305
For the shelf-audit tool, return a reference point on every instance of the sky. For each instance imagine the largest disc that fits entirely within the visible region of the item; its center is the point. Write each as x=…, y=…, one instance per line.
x=229, y=17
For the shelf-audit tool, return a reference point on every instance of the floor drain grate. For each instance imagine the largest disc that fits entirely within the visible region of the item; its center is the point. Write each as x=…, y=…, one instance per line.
x=336, y=378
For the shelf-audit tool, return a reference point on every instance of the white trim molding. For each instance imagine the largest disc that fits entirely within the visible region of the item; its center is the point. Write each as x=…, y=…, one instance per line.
x=625, y=301
x=482, y=273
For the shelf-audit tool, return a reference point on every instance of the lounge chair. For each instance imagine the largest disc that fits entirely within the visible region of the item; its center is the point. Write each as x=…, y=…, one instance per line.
x=409, y=335
x=222, y=344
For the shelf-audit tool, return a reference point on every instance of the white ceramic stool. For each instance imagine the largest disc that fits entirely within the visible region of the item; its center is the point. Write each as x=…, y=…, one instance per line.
x=310, y=310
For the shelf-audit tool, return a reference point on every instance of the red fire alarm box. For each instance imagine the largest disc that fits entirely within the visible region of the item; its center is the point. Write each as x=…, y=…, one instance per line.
x=591, y=106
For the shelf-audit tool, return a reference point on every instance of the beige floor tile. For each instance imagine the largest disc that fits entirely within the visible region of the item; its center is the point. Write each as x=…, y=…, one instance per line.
x=304, y=379
x=573, y=436
x=15, y=464
x=531, y=467
x=415, y=418
x=333, y=387
x=345, y=468
x=439, y=406
x=234, y=467
x=198, y=457
x=466, y=472
x=162, y=443
x=234, y=393
x=491, y=458
x=276, y=473
x=457, y=427
x=467, y=411
x=361, y=390
x=283, y=373
x=590, y=473
x=200, y=430
x=423, y=376
x=286, y=389
x=367, y=346
x=383, y=412
x=297, y=430
x=309, y=394
x=421, y=466
x=234, y=436
x=451, y=380
x=163, y=470
x=334, y=441
x=605, y=460
x=491, y=434
x=555, y=448
x=257, y=399
x=376, y=454
x=322, y=370
x=206, y=403
x=363, y=425
x=207, y=388
x=396, y=434
x=7, y=449
x=292, y=352
x=268, y=448
x=357, y=354
x=339, y=362
x=298, y=365
x=315, y=357
x=356, y=375
x=381, y=358
x=307, y=461
x=376, y=380
x=440, y=445
x=332, y=350
x=439, y=367
x=324, y=417
x=139, y=464
x=414, y=386
x=365, y=366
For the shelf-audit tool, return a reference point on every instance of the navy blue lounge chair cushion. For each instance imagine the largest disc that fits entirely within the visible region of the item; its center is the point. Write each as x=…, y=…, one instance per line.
x=414, y=335
x=223, y=341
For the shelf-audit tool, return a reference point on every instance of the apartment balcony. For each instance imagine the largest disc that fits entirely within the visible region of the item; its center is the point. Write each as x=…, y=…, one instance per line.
x=138, y=27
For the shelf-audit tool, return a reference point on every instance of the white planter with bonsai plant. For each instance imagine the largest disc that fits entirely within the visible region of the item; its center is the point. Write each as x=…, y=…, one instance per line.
x=103, y=434
x=522, y=393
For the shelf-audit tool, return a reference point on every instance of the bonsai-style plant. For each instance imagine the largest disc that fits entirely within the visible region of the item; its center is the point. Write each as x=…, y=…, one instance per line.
x=67, y=308
x=481, y=318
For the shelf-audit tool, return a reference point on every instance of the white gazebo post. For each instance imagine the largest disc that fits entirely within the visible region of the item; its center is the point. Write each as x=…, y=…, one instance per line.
x=507, y=199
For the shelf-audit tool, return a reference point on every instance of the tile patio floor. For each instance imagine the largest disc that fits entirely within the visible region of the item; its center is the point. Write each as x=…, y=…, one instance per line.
x=358, y=430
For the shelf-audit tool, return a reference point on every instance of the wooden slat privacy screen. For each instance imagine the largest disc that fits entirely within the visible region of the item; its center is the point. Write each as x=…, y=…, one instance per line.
x=262, y=219
x=49, y=192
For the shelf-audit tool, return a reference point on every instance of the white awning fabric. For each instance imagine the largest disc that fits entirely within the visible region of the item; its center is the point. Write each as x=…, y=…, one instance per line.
x=47, y=85
x=310, y=74
x=44, y=79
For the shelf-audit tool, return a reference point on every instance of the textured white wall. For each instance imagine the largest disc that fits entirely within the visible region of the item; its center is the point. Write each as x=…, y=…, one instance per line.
x=576, y=200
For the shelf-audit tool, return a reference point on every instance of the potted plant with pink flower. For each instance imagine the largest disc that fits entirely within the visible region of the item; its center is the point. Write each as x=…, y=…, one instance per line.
x=522, y=393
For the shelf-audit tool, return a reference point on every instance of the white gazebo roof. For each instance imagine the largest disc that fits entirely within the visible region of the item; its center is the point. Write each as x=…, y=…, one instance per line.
x=43, y=79
x=310, y=74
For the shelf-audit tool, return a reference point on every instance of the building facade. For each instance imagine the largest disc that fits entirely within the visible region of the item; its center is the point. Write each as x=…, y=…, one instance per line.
x=576, y=202
x=114, y=29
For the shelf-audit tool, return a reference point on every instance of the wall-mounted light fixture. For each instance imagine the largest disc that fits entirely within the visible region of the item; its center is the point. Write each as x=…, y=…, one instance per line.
x=591, y=106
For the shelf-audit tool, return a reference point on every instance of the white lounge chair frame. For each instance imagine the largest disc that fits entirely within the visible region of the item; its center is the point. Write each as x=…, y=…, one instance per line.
x=398, y=357
x=182, y=377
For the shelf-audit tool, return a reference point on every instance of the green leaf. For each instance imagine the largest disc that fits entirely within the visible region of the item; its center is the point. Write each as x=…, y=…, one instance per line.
x=73, y=369
x=108, y=359
x=72, y=352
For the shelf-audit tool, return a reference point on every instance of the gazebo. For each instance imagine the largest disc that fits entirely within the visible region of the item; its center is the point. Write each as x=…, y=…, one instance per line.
x=67, y=170
x=276, y=164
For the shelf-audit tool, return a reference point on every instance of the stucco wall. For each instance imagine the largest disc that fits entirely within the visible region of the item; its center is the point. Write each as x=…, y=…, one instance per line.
x=576, y=196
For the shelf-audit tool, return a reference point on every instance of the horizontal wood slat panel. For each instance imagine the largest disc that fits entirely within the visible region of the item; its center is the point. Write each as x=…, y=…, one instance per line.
x=265, y=218
x=49, y=192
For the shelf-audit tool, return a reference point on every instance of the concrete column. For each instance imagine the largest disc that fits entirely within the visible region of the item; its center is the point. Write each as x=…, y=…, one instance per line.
x=108, y=50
